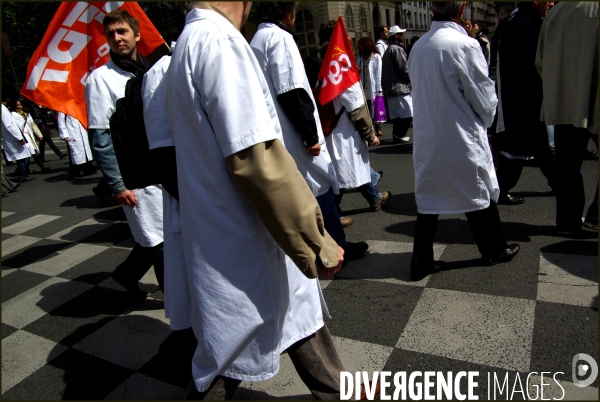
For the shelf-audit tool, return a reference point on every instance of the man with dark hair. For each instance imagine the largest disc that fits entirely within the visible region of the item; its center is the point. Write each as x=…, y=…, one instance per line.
x=454, y=101
x=382, y=37
x=143, y=207
x=520, y=135
x=275, y=48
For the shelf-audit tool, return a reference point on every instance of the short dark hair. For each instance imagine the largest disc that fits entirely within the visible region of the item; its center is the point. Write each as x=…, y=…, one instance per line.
x=121, y=16
x=369, y=46
x=325, y=31
x=447, y=9
x=380, y=30
x=276, y=10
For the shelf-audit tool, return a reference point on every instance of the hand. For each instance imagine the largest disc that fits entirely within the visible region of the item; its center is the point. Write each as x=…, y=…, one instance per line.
x=314, y=150
x=375, y=142
x=66, y=139
x=22, y=142
x=127, y=197
x=331, y=272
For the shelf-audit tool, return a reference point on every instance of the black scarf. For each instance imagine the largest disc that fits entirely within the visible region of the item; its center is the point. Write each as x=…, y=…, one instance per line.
x=128, y=64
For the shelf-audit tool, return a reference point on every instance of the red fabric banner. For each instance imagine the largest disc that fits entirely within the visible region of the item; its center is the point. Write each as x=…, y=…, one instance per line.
x=339, y=70
x=73, y=46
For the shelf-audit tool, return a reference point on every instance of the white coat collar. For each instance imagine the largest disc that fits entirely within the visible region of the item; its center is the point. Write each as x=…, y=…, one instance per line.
x=448, y=24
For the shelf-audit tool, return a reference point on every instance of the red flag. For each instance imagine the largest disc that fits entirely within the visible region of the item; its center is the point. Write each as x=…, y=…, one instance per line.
x=73, y=46
x=338, y=71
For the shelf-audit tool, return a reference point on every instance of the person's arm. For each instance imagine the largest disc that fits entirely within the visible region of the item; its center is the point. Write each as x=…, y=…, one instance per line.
x=288, y=79
x=11, y=127
x=62, y=126
x=104, y=154
x=478, y=88
x=269, y=180
x=353, y=100
x=299, y=108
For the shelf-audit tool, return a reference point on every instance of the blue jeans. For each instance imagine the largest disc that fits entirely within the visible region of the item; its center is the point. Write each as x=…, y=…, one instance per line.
x=331, y=218
x=23, y=168
x=369, y=190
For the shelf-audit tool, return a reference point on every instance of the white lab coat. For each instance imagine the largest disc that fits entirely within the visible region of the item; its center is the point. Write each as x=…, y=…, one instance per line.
x=27, y=130
x=281, y=63
x=11, y=138
x=103, y=87
x=79, y=145
x=176, y=290
x=454, y=102
x=381, y=46
x=349, y=151
x=249, y=301
x=374, y=64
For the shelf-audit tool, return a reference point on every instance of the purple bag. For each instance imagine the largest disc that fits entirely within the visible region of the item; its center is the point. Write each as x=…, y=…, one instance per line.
x=379, y=113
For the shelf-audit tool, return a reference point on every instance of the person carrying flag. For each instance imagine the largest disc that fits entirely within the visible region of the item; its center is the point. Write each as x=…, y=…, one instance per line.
x=143, y=207
x=354, y=133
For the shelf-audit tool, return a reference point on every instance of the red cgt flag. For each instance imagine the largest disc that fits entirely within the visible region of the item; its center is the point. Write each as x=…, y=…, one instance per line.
x=338, y=71
x=73, y=46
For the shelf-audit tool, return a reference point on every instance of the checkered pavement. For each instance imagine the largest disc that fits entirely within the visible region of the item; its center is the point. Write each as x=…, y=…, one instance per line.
x=70, y=332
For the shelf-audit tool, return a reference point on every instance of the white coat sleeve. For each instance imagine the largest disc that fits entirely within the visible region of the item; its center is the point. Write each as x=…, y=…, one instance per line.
x=285, y=64
x=100, y=105
x=10, y=126
x=377, y=66
x=62, y=126
x=235, y=105
x=478, y=88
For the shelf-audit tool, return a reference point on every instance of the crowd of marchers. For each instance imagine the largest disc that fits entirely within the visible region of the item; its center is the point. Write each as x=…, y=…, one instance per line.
x=255, y=217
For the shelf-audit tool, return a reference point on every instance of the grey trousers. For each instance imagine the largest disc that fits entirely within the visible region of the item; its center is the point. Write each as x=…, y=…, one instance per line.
x=315, y=359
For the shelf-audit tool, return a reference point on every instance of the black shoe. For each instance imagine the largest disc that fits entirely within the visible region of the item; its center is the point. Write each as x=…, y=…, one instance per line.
x=417, y=272
x=354, y=251
x=380, y=176
x=508, y=254
x=130, y=285
x=510, y=200
x=4, y=194
x=26, y=179
x=63, y=156
x=75, y=176
x=101, y=197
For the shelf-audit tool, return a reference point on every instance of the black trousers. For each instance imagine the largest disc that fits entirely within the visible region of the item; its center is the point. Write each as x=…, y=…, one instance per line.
x=485, y=225
x=571, y=146
x=508, y=171
x=400, y=127
x=48, y=140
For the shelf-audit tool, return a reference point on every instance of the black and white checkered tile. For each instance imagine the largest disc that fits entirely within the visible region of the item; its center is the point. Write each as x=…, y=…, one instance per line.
x=70, y=332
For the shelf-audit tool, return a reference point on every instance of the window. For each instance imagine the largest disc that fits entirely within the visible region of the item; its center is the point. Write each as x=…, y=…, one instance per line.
x=305, y=29
x=363, y=19
x=387, y=17
x=349, y=18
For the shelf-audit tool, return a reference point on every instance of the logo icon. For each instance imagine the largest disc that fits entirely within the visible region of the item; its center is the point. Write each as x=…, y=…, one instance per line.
x=580, y=369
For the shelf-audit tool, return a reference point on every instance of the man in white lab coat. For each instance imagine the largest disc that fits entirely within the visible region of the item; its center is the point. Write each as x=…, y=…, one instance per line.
x=143, y=207
x=72, y=132
x=454, y=102
x=15, y=145
x=275, y=49
x=252, y=230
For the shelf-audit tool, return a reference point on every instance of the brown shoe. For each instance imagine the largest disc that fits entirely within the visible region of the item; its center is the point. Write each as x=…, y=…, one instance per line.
x=346, y=221
x=386, y=196
x=363, y=394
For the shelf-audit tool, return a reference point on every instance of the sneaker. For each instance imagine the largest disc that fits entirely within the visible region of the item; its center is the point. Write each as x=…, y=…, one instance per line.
x=355, y=251
x=345, y=221
x=402, y=140
x=385, y=196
